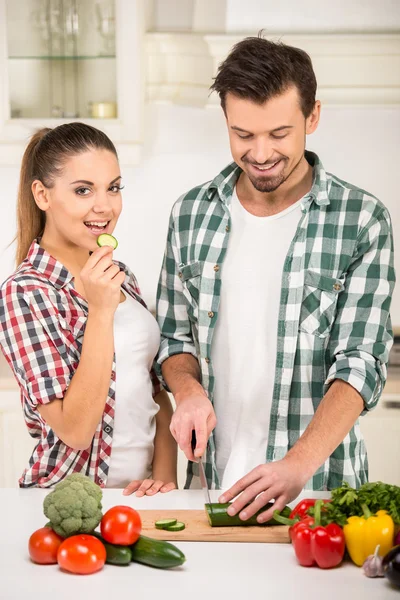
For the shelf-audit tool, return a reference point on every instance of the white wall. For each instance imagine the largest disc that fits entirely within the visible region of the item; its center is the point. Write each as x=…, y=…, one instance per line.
x=187, y=146
x=235, y=16
x=312, y=15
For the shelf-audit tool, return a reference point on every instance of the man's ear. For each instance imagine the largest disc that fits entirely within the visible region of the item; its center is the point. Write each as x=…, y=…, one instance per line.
x=313, y=120
x=41, y=195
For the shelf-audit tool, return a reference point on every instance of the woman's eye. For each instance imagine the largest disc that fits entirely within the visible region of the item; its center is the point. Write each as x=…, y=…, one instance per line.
x=116, y=188
x=83, y=191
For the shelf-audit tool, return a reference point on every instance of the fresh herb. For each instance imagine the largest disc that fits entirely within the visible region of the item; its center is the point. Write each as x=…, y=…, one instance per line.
x=347, y=502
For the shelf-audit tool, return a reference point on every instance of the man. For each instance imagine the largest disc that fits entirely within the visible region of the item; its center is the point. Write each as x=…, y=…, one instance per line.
x=274, y=298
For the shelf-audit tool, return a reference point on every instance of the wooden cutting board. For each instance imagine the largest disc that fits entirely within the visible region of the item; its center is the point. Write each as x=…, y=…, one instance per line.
x=198, y=529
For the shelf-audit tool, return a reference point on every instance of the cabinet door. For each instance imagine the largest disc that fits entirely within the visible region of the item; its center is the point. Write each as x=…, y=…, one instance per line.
x=16, y=444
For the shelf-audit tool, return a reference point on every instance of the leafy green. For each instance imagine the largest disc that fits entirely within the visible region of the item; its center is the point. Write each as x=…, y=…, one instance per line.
x=347, y=502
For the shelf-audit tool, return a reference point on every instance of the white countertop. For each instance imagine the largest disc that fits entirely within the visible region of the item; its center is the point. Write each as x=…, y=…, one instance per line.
x=212, y=570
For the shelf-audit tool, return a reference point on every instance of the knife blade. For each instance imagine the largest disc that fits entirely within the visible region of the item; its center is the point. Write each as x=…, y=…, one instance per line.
x=202, y=473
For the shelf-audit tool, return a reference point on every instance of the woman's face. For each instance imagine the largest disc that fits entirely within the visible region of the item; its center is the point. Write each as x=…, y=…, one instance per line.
x=84, y=201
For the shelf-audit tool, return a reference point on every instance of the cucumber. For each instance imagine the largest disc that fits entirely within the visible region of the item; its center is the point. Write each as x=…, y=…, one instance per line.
x=115, y=555
x=156, y=553
x=178, y=526
x=105, y=239
x=218, y=516
x=165, y=523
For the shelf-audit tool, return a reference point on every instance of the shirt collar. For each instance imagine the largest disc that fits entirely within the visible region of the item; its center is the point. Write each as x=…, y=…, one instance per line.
x=52, y=269
x=224, y=183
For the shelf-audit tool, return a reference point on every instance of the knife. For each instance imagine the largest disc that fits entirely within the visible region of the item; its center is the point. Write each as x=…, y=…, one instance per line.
x=202, y=473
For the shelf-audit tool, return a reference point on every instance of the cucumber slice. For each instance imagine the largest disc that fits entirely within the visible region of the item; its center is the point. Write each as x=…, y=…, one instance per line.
x=165, y=523
x=179, y=526
x=105, y=239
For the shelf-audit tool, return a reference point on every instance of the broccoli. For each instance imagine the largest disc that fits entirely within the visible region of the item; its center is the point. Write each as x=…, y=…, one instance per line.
x=74, y=506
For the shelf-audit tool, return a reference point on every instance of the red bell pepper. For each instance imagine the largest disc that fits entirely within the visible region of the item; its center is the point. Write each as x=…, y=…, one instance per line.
x=313, y=543
x=300, y=510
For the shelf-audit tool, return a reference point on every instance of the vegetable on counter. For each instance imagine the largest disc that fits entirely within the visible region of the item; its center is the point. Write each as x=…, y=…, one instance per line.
x=121, y=525
x=165, y=523
x=115, y=555
x=169, y=525
x=81, y=554
x=391, y=566
x=363, y=534
x=179, y=526
x=157, y=553
x=314, y=543
x=43, y=546
x=348, y=502
x=300, y=510
x=218, y=516
x=372, y=566
x=74, y=506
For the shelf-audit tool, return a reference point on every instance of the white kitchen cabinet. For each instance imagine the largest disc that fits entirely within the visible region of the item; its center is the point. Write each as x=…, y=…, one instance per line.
x=57, y=65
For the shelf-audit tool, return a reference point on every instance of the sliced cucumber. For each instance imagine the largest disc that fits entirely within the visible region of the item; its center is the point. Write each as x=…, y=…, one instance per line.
x=156, y=553
x=165, y=523
x=105, y=239
x=179, y=526
x=218, y=516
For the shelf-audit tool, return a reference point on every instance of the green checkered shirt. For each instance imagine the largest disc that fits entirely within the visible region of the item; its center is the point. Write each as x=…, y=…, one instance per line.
x=334, y=322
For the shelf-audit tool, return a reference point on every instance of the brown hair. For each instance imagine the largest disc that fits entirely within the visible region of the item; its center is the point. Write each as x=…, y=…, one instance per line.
x=258, y=69
x=43, y=159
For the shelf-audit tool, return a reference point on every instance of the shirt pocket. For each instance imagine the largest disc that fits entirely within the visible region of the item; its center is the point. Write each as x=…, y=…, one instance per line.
x=190, y=276
x=318, y=308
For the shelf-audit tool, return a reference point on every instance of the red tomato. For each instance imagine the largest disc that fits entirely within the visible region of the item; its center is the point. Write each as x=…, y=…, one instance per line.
x=43, y=546
x=121, y=525
x=81, y=554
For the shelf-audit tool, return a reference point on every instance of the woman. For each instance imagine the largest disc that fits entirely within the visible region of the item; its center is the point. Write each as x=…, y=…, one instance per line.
x=74, y=329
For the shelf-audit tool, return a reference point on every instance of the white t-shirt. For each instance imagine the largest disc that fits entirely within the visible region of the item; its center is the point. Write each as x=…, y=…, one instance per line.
x=245, y=337
x=136, y=341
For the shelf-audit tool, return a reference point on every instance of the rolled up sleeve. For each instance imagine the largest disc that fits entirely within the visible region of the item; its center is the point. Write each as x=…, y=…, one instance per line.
x=361, y=335
x=34, y=356
x=172, y=315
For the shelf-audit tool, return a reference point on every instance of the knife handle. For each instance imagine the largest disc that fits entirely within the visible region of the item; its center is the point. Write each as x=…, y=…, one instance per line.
x=194, y=441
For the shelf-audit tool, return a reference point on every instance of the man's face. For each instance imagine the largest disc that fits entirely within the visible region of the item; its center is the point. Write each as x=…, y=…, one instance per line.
x=268, y=140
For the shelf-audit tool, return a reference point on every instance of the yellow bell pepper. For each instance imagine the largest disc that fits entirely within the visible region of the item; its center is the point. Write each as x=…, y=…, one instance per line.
x=363, y=534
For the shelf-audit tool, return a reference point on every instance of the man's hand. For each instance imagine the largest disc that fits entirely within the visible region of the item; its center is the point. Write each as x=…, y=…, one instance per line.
x=193, y=412
x=282, y=481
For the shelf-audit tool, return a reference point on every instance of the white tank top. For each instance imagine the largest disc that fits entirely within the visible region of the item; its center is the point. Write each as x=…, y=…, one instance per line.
x=136, y=341
x=245, y=338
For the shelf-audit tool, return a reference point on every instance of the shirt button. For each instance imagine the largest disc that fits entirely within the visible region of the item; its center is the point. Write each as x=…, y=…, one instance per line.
x=101, y=481
x=216, y=268
x=211, y=314
x=337, y=286
x=227, y=228
x=207, y=360
x=64, y=300
x=107, y=429
x=180, y=274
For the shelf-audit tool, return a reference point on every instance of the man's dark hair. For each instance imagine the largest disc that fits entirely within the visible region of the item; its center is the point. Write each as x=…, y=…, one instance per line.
x=257, y=69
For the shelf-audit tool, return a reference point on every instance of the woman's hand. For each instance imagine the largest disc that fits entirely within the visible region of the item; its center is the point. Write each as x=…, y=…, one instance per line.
x=102, y=280
x=148, y=487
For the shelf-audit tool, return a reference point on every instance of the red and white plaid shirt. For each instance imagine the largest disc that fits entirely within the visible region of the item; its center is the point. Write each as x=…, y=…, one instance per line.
x=42, y=324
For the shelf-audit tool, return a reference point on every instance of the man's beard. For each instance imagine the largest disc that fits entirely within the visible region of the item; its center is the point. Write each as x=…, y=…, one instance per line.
x=270, y=184
x=265, y=184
